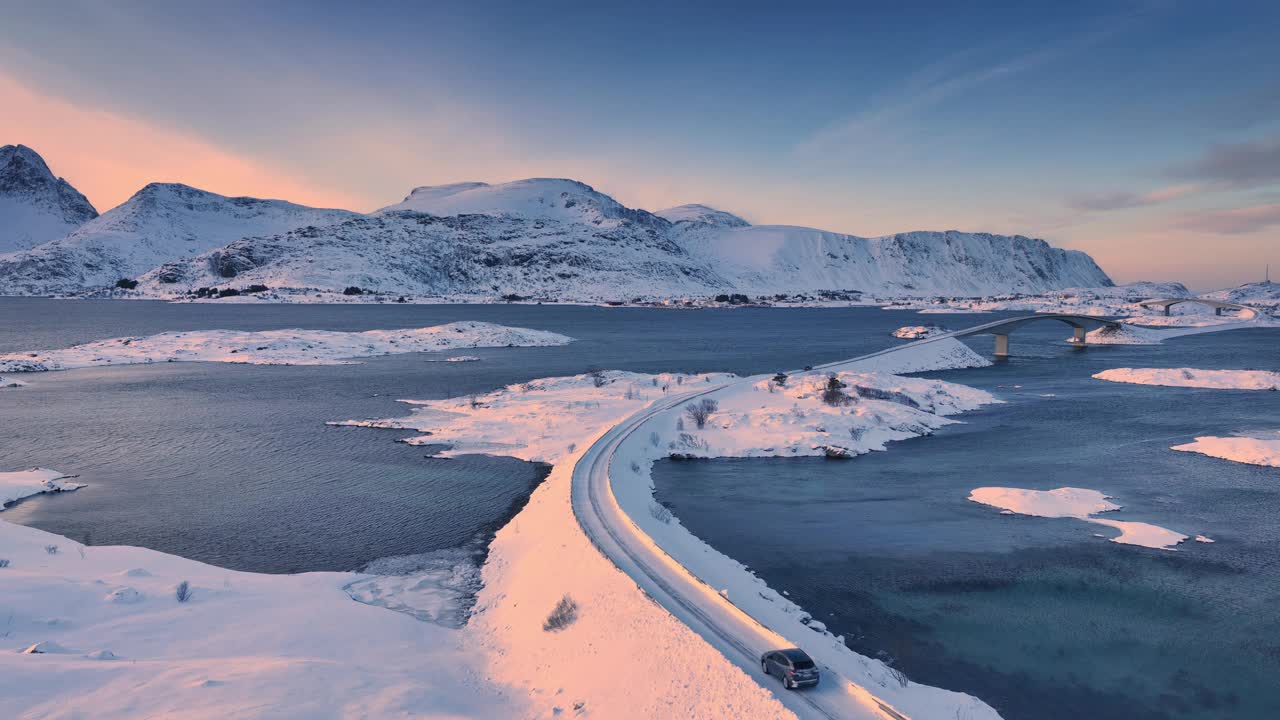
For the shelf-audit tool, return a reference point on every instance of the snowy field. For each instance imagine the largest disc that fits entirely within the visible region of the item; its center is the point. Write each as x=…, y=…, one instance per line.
x=278, y=347
x=1195, y=377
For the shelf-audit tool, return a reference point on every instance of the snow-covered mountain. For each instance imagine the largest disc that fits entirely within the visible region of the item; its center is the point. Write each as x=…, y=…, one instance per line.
x=404, y=251
x=547, y=238
x=764, y=259
x=560, y=239
x=35, y=205
x=160, y=223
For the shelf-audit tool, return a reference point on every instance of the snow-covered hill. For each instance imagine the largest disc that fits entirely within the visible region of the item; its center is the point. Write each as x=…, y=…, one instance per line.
x=1261, y=294
x=553, y=239
x=35, y=206
x=765, y=259
x=160, y=223
x=472, y=255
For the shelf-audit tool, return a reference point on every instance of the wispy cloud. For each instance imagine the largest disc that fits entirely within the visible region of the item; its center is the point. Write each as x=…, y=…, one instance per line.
x=1122, y=200
x=1237, y=165
x=888, y=120
x=1234, y=221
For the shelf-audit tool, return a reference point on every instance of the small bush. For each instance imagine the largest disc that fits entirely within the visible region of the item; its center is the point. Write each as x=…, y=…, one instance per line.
x=654, y=439
x=597, y=377
x=701, y=411
x=182, y=591
x=126, y=284
x=228, y=292
x=660, y=512
x=565, y=612
x=51, y=549
x=635, y=467
x=4, y=563
x=780, y=380
x=680, y=424
x=255, y=288
x=833, y=394
x=353, y=290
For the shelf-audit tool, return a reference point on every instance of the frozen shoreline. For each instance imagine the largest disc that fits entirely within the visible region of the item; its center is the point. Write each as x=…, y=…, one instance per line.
x=1259, y=449
x=278, y=347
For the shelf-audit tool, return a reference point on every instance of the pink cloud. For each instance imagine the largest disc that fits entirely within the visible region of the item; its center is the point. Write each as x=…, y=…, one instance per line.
x=1235, y=221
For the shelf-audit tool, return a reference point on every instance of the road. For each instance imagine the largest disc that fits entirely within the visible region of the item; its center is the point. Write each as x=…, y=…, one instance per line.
x=737, y=635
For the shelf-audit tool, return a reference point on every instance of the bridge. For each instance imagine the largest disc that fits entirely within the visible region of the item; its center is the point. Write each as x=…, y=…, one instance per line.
x=1217, y=306
x=1081, y=324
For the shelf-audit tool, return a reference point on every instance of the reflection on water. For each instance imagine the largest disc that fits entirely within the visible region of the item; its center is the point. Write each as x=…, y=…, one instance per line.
x=1036, y=616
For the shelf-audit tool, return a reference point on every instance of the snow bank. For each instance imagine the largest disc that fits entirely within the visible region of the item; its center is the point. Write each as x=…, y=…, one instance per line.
x=1260, y=449
x=1192, y=377
x=278, y=347
x=11, y=383
x=112, y=642
x=15, y=486
x=1079, y=503
x=918, y=332
x=942, y=354
x=1131, y=333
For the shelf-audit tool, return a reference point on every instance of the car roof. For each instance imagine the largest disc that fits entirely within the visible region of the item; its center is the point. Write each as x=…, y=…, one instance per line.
x=796, y=654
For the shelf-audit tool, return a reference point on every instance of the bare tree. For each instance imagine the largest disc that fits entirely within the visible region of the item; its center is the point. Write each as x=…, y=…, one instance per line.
x=565, y=612
x=700, y=411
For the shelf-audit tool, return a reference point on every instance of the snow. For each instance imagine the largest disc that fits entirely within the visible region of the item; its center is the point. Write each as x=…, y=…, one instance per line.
x=535, y=198
x=1195, y=377
x=1130, y=333
x=114, y=643
x=162, y=222
x=15, y=486
x=917, y=332
x=11, y=382
x=555, y=419
x=1256, y=449
x=1079, y=503
x=278, y=347
x=696, y=213
x=35, y=206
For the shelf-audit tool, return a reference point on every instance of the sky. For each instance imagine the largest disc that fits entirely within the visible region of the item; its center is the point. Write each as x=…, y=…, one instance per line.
x=1144, y=133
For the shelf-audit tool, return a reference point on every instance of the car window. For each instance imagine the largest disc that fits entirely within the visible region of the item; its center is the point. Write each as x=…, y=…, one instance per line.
x=804, y=664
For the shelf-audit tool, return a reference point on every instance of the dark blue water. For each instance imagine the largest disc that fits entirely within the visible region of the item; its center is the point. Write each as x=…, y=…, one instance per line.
x=233, y=465
x=1036, y=616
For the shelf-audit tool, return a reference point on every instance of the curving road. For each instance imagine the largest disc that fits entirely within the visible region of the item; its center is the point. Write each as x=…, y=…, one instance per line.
x=737, y=635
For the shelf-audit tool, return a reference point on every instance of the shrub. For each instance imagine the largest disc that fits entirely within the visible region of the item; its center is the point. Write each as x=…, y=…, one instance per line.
x=700, y=411
x=660, y=512
x=126, y=284
x=256, y=288
x=51, y=549
x=654, y=439
x=353, y=290
x=635, y=467
x=228, y=292
x=597, y=377
x=565, y=612
x=4, y=563
x=833, y=394
x=780, y=380
x=891, y=396
x=182, y=591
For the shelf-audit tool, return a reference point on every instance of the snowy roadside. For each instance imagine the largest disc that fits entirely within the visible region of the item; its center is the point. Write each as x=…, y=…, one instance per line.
x=278, y=347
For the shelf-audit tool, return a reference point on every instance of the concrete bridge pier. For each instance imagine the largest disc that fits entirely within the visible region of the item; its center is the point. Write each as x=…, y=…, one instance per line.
x=1002, y=346
x=1078, y=336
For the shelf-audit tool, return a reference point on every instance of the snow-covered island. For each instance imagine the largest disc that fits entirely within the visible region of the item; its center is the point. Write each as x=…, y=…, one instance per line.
x=1254, y=449
x=1195, y=378
x=1078, y=503
x=20, y=484
x=918, y=332
x=278, y=347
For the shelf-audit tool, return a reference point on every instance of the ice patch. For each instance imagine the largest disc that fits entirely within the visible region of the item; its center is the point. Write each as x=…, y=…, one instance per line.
x=437, y=587
x=15, y=486
x=1259, y=449
x=1192, y=377
x=1079, y=503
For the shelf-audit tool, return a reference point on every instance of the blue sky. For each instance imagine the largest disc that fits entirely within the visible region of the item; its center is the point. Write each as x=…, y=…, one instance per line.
x=1143, y=133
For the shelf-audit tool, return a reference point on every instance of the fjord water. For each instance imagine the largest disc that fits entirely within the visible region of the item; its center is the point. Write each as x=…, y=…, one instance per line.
x=1039, y=617
x=233, y=465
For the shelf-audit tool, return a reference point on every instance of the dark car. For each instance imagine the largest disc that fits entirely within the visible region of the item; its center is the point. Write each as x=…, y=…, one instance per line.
x=792, y=666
